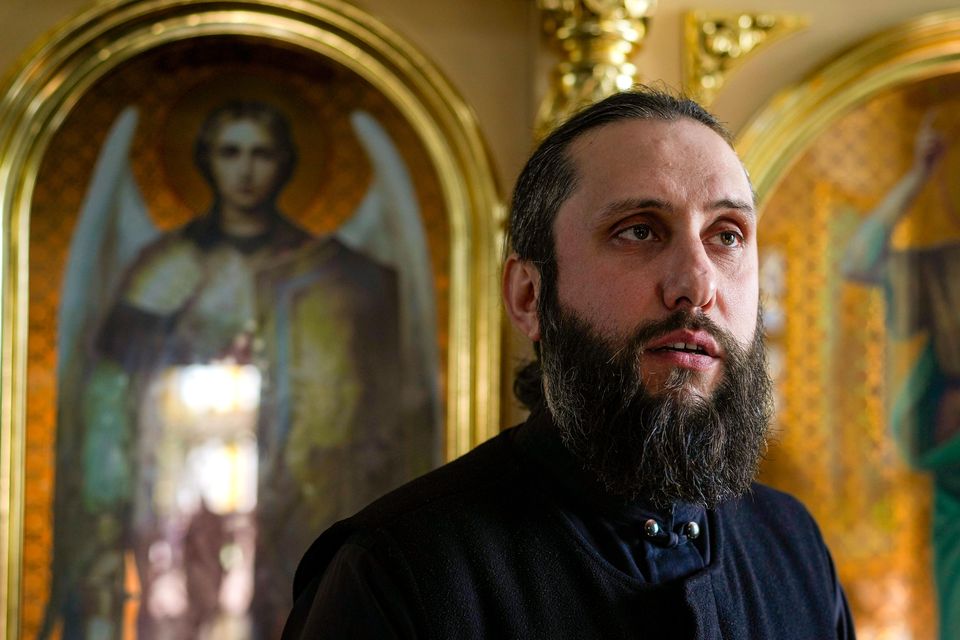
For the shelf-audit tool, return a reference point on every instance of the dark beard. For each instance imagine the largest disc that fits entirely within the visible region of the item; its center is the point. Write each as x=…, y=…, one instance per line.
x=672, y=446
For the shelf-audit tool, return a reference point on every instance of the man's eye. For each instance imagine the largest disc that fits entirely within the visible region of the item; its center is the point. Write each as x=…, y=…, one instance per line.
x=729, y=238
x=636, y=232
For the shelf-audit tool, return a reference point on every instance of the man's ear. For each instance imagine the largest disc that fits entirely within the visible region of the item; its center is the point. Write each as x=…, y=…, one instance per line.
x=521, y=293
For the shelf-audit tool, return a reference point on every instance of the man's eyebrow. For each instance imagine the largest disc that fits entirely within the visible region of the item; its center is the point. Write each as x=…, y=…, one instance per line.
x=739, y=205
x=618, y=207
x=654, y=204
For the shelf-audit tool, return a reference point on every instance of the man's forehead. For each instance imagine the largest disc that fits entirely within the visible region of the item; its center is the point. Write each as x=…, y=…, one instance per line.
x=651, y=134
x=628, y=152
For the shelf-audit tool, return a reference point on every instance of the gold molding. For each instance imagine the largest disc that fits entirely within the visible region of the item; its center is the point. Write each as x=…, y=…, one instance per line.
x=777, y=135
x=595, y=39
x=37, y=94
x=716, y=44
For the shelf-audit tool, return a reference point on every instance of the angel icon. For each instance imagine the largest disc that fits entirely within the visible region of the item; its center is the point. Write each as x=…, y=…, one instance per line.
x=228, y=388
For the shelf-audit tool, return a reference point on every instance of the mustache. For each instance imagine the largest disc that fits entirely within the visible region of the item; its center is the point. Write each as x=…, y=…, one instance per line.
x=676, y=321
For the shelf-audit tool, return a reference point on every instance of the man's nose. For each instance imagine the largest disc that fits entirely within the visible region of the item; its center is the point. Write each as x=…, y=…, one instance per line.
x=691, y=276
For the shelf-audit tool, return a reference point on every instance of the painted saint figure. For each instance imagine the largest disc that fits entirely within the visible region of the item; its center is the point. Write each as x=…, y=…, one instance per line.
x=242, y=376
x=922, y=294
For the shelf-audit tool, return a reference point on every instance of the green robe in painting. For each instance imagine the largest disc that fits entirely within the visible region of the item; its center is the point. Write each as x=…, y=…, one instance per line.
x=923, y=295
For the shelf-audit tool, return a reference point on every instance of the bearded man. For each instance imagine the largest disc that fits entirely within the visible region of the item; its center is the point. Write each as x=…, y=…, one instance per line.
x=625, y=506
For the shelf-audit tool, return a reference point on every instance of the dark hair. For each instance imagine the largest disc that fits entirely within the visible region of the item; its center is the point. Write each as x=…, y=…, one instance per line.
x=271, y=118
x=550, y=177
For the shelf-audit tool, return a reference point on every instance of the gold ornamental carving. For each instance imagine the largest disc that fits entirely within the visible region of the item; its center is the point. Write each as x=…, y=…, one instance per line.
x=715, y=44
x=595, y=39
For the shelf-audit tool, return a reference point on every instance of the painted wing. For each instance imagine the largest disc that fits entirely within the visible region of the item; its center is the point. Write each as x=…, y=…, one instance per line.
x=387, y=228
x=112, y=228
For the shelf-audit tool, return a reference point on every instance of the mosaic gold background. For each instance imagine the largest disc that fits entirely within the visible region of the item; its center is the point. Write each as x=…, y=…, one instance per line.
x=174, y=87
x=835, y=366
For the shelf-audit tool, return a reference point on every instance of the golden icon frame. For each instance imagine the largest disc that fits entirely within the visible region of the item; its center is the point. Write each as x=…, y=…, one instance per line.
x=40, y=90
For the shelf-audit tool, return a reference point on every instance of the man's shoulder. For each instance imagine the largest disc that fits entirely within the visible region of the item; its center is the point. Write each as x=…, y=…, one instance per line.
x=435, y=505
x=487, y=469
x=766, y=497
x=764, y=506
x=774, y=567
x=771, y=523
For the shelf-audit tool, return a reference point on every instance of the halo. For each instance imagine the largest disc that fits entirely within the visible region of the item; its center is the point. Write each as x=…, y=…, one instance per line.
x=179, y=133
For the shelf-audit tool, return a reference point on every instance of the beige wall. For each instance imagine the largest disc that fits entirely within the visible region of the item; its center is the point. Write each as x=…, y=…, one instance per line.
x=491, y=52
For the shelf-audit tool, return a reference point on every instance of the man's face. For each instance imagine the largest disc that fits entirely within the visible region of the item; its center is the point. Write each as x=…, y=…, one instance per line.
x=245, y=165
x=661, y=221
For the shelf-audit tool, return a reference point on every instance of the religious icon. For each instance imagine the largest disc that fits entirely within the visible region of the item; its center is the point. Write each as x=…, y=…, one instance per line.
x=231, y=386
x=920, y=286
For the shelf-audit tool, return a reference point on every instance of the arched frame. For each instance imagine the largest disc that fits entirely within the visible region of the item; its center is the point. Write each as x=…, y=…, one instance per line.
x=780, y=131
x=51, y=78
x=823, y=155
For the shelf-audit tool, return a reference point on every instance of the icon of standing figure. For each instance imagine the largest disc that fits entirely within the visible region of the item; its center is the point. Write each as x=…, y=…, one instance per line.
x=921, y=287
x=229, y=387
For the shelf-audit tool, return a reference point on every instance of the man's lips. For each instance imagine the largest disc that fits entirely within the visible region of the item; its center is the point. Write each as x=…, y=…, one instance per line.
x=685, y=341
